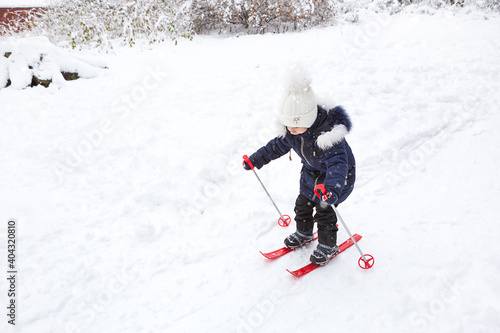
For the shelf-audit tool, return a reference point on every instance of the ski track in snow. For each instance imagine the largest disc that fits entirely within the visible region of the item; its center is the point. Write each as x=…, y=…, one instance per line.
x=135, y=215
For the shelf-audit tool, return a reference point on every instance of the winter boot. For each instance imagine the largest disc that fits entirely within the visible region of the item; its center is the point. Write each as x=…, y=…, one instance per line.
x=323, y=253
x=298, y=239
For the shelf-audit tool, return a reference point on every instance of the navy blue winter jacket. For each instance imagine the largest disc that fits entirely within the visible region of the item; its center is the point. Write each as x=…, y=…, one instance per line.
x=326, y=156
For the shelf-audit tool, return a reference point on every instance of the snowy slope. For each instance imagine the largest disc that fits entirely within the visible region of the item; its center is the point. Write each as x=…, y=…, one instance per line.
x=135, y=215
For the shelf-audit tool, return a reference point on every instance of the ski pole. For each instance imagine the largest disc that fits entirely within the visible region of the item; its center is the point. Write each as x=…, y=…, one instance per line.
x=284, y=220
x=366, y=260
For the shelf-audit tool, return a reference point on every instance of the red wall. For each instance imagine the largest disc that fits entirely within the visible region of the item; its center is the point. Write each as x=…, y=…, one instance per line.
x=8, y=16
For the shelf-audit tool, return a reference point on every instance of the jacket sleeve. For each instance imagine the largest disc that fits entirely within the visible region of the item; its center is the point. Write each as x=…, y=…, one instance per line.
x=274, y=149
x=337, y=168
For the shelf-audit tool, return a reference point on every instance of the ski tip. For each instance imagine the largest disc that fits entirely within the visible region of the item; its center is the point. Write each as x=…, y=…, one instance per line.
x=265, y=255
x=293, y=273
x=270, y=255
x=304, y=270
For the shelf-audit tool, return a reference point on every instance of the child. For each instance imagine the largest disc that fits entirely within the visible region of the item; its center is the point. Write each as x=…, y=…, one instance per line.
x=317, y=136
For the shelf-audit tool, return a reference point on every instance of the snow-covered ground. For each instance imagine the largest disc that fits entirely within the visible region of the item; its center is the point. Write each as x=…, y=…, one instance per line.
x=134, y=214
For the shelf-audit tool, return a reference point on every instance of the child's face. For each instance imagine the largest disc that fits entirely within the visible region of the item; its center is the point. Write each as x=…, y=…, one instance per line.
x=296, y=130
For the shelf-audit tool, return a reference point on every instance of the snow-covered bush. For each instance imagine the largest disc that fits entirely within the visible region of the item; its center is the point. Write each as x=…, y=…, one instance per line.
x=480, y=4
x=107, y=23
x=260, y=16
x=493, y=5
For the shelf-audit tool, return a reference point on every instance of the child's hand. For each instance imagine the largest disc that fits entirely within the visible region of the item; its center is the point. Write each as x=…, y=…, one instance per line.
x=246, y=166
x=329, y=197
x=326, y=196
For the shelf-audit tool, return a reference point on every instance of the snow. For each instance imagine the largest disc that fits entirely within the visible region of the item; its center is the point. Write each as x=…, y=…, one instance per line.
x=134, y=214
x=36, y=56
x=4, y=71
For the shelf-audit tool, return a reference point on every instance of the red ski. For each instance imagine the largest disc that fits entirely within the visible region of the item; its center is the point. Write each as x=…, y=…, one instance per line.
x=281, y=252
x=311, y=267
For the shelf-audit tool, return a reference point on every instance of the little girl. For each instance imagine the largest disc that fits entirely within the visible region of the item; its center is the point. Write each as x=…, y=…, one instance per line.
x=317, y=135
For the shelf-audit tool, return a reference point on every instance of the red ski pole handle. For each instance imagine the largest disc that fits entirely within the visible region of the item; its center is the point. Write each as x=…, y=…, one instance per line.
x=320, y=187
x=247, y=160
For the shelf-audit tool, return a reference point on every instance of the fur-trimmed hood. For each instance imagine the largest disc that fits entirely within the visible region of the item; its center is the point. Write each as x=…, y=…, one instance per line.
x=331, y=125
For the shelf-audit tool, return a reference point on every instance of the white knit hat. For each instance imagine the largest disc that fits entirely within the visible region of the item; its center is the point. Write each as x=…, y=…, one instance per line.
x=298, y=105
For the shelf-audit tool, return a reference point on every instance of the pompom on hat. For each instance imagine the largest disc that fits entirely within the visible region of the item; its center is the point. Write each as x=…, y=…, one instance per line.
x=298, y=106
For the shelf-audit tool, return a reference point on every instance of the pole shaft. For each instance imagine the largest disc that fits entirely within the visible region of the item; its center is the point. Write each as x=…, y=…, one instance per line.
x=349, y=232
x=255, y=173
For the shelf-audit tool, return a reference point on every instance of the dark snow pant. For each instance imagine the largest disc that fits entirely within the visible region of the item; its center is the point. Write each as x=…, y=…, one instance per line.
x=325, y=218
